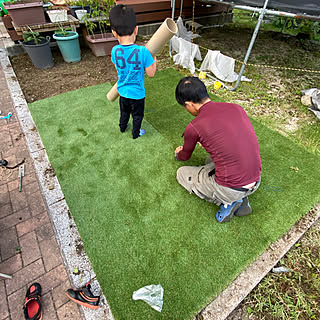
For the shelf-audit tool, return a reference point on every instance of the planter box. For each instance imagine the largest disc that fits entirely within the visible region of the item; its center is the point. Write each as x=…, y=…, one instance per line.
x=57, y=15
x=7, y=21
x=27, y=13
x=13, y=35
x=101, y=45
x=80, y=13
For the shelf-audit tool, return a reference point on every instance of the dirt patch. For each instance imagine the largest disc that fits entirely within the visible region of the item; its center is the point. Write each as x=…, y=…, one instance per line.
x=231, y=41
x=63, y=77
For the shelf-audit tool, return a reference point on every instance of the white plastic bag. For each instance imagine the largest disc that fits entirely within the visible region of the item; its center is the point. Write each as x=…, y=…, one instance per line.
x=314, y=93
x=152, y=295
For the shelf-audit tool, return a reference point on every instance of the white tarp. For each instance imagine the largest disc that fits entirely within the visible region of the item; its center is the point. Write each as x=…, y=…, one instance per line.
x=221, y=66
x=187, y=52
x=183, y=32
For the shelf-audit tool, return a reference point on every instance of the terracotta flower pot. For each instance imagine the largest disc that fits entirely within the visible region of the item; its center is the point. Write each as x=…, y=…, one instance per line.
x=101, y=44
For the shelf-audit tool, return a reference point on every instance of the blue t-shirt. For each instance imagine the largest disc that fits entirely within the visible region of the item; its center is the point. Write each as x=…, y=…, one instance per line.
x=130, y=61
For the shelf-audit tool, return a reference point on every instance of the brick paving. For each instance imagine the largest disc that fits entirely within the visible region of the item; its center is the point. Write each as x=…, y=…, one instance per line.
x=28, y=248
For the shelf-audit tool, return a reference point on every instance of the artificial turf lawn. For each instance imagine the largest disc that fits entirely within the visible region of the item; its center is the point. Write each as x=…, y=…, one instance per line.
x=138, y=225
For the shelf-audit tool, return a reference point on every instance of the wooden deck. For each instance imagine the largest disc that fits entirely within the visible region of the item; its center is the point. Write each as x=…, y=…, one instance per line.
x=157, y=10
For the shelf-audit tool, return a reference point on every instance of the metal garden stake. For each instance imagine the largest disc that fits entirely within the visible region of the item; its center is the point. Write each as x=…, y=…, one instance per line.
x=21, y=174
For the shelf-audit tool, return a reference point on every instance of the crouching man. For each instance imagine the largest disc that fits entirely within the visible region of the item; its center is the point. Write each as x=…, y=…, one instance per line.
x=232, y=172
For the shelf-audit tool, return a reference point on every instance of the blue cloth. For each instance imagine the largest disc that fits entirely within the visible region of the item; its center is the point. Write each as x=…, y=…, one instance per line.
x=131, y=61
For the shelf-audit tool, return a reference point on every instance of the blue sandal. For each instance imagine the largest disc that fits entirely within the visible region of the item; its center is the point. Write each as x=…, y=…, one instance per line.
x=226, y=212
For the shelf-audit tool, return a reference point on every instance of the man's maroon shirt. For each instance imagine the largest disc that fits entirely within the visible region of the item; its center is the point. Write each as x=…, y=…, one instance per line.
x=226, y=133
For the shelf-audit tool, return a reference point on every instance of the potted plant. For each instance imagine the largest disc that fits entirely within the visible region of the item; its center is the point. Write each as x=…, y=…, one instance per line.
x=38, y=49
x=68, y=44
x=101, y=42
x=47, y=5
x=25, y=12
x=74, y=5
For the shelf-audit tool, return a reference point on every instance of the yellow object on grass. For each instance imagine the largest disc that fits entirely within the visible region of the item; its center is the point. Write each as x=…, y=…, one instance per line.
x=217, y=85
x=202, y=75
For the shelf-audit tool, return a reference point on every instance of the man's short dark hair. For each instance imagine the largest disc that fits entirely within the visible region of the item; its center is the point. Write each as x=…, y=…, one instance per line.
x=191, y=89
x=123, y=20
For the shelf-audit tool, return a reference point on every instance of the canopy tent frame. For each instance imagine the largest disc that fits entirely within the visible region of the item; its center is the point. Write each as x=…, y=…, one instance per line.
x=262, y=11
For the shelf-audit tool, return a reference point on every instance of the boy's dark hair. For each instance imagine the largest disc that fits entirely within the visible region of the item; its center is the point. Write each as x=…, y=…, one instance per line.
x=123, y=20
x=191, y=89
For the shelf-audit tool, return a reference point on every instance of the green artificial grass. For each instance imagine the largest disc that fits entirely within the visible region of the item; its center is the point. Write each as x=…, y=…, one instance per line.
x=138, y=225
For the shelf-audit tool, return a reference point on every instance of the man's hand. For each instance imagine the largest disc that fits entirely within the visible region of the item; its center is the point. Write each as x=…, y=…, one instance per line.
x=178, y=149
x=200, y=144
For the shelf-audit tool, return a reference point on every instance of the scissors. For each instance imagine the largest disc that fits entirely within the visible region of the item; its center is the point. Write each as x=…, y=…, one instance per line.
x=7, y=117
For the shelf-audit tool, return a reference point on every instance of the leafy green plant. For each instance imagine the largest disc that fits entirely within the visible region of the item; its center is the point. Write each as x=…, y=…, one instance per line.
x=81, y=3
x=308, y=29
x=63, y=32
x=32, y=36
x=99, y=17
x=90, y=25
x=295, y=26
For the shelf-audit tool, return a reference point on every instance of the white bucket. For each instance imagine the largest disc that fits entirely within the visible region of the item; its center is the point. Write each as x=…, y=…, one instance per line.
x=57, y=15
x=80, y=13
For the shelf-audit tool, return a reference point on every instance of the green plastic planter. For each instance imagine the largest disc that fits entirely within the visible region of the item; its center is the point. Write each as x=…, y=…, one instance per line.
x=69, y=46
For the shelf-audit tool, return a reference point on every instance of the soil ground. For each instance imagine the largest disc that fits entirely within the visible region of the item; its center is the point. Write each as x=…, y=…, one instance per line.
x=40, y=84
x=273, y=97
x=63, y=77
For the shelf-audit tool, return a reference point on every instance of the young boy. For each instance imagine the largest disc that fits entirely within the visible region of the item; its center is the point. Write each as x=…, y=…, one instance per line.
x=131, y=62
